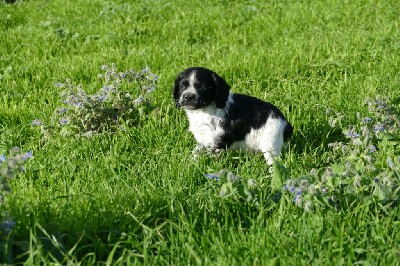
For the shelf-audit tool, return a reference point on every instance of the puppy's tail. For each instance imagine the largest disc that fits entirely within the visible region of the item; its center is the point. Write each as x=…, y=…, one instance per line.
x=288, y=131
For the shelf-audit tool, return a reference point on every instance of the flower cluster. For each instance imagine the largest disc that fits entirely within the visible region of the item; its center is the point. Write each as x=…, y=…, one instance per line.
x=364, y=166
x=10, y=166
x=122, y=101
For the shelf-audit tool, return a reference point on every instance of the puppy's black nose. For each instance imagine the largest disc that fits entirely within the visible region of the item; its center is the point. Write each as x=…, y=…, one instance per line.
x=189, y=97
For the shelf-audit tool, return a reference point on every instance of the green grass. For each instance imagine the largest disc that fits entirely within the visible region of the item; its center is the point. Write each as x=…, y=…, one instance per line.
x=136, y=196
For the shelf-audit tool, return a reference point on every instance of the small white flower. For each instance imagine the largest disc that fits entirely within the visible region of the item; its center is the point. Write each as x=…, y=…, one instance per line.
x=252, y=183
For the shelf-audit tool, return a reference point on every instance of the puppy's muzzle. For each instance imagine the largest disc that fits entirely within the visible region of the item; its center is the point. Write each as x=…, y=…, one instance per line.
x=188, y=97
x=189, y=100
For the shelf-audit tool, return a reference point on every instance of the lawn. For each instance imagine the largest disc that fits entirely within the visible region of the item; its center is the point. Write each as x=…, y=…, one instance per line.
x=133, y=195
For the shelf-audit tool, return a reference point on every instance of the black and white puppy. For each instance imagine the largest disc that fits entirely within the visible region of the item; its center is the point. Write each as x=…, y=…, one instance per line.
x=220, y=119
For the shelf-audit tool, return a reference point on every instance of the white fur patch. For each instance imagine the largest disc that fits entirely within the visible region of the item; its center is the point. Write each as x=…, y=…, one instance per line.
x=190, y=89
x=268, y=139
x=205, y=124
x=205, y=127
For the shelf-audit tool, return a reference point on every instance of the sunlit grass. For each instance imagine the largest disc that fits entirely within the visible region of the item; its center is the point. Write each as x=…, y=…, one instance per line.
x=135, y=195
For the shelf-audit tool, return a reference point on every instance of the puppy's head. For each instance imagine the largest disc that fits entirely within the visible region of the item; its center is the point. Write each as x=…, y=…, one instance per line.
x=197, y=87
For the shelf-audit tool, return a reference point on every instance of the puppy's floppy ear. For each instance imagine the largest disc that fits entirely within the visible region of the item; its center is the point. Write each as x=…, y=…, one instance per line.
x=176, y=91
x=221, y=91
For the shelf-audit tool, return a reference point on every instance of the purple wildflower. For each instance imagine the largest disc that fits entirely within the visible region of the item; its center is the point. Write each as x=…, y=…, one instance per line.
x=213, y=177
x=59, y=85
x=146, y=69
x=100, y=98
x=77, y=104
x=390, y=163
x=139, y=100
x=297, y=197
x=108, y=89
x=367, y=120
x=352, y=135
x=151, y=89
x=36, y=122
x=291, y=189
x=2, y=158
x=372, y=149
x=27, y=155
x=7, y=226
x=63, y=121
x=379, y=128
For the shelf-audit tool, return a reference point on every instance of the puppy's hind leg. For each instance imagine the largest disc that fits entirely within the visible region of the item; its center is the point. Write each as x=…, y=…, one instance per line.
x=272, y=149
x=268, y=157
x=272, y=140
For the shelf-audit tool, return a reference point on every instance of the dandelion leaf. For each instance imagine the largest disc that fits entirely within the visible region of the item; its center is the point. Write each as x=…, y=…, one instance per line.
x=244, y=192
x=382, y=192
x=279, y=175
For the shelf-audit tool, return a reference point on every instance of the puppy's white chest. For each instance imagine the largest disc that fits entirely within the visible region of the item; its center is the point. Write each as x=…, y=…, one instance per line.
x=205, y=127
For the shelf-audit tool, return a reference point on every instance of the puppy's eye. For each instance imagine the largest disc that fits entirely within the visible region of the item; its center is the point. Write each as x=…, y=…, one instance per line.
x=185, y=83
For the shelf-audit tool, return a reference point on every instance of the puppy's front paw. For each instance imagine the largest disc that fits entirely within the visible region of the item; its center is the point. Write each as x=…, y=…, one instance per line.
x=196, y=152
x=214, y=152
